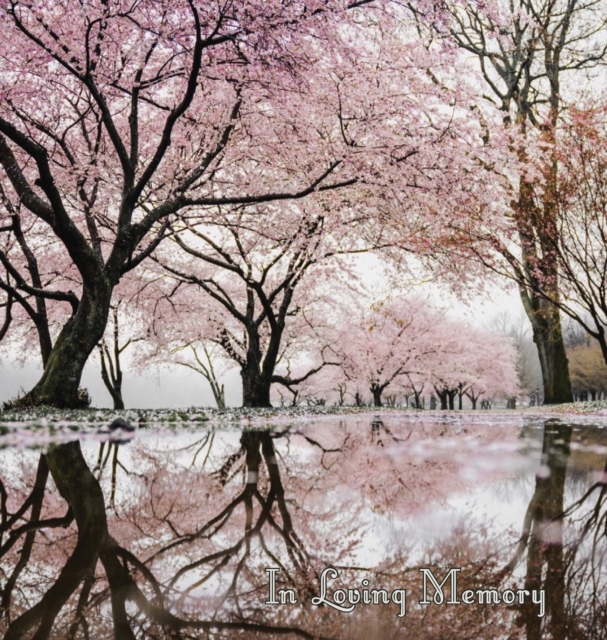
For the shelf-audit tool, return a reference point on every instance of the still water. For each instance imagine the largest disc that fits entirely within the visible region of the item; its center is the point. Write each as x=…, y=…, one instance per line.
x=394, y=526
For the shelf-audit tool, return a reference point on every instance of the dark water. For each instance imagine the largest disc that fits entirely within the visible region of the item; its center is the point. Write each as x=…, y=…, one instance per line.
x=409, y=526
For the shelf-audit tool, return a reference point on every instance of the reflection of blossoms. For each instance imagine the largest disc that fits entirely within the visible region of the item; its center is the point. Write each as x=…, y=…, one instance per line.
x=196, y=519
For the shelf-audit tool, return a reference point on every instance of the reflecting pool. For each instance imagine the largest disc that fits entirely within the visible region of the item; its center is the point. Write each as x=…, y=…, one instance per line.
x=415, y=525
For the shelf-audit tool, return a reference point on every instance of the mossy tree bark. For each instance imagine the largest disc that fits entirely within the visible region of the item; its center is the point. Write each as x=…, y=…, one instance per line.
x=537, y=275
x=60, y=381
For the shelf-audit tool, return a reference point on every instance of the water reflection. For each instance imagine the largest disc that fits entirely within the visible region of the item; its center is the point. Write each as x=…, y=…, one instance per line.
x=171, y=537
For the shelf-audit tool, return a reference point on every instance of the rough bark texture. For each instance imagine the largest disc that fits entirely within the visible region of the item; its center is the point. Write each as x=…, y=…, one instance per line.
x=255, y=389
x=548, y=337
x=539, y=285
x=60, y=381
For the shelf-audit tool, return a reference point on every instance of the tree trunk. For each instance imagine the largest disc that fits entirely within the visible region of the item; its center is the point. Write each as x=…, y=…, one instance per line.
x=257, y=371
x=541, y=274
x=220, y=397
x=451, y=395
x=376, y=391
x=60, y=381
x=473, y=400
x=113, y=385
x=255, y=390
x=116, y=394
x=118, y=401
x=548, y=337
x=44, y=338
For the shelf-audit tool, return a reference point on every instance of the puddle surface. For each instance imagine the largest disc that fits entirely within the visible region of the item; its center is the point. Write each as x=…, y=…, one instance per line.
x=413, y=525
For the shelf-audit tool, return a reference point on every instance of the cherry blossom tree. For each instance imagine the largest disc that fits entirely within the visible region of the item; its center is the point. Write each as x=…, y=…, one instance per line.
x=259, y=272
x=535, y=59
x=212, y=334
x=381, y=345
x=407, y=346
x=471, y=362
x=579, y=240
x=492, y=370
x=203, y=358
x=196, y=351
x=339, y=126
x=172, y=327
x=114, y=118
x=406, y=176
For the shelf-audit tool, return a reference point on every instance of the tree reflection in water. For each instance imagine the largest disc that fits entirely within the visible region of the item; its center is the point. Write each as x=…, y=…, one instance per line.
x=173, y=541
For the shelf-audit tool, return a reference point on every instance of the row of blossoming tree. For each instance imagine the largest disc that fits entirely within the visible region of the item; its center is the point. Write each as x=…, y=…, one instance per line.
x=405, y=348
x=339, y=349
x=219, y=165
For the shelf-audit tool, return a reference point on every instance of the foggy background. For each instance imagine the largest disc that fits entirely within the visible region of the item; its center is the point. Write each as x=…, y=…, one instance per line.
x=181, y=387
